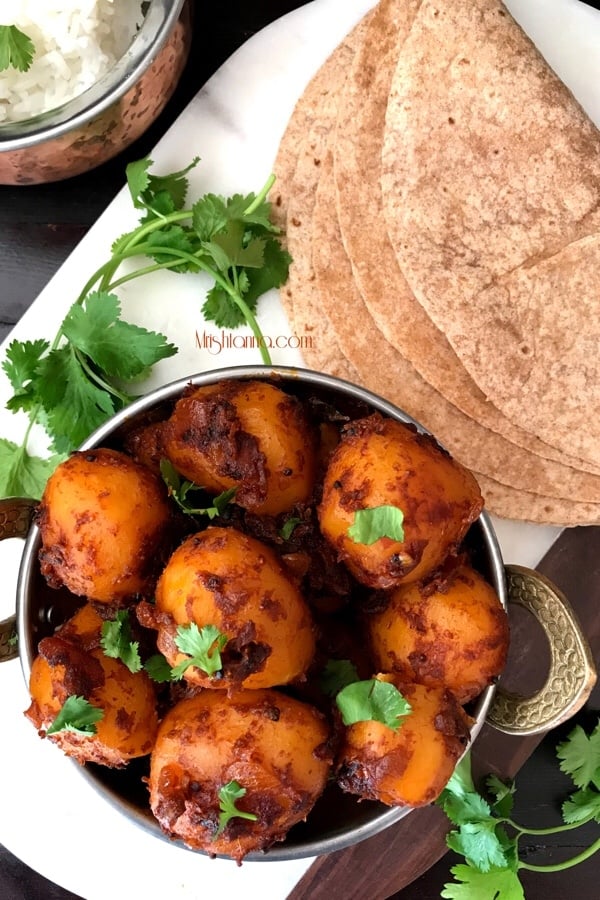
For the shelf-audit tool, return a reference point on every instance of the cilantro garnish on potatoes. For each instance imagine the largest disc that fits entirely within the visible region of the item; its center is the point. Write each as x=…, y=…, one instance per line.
x=372, y=701
x=229, y=794
x=371, y=525
x=203, y=645
x=77, y=714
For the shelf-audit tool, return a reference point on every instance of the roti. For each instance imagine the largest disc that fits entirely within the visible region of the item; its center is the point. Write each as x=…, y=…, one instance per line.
x=349, y=310
x=396, y=312
x=491, y=185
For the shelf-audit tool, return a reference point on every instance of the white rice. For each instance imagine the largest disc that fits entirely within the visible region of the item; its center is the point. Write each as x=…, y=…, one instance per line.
x=76, y=42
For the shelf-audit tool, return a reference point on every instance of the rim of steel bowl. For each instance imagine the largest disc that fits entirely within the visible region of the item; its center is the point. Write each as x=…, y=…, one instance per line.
x=344, y=821
x=158, y=22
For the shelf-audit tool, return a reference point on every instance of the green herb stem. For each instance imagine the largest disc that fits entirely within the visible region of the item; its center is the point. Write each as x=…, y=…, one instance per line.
x=147, y=270
x=97, y=379
x=109, y=269
x=261, y=196
x=541, y=831
x=567, y=864
x=224, y=283
x=143, y=231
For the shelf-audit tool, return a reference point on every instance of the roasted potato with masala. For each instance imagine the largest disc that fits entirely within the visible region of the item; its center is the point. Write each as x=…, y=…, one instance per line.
x=125, y=704
x=452, y=633
x=232, y=774
x=102, y=519
x=383, y=463
x=409, y=765
x=221, y=578
x=248, y=435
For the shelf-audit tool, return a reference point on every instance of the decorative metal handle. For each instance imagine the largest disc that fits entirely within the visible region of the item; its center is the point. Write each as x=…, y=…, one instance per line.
x=15, y=519
x=572, y=672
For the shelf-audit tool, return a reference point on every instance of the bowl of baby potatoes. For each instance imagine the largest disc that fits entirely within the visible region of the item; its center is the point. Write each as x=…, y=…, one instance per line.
x=263, y=611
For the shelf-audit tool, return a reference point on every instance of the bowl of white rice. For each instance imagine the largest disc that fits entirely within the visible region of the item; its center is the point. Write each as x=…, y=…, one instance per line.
x=80, y=80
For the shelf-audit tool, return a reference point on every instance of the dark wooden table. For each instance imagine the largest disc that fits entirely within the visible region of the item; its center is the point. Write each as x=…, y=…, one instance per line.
x=39, y=227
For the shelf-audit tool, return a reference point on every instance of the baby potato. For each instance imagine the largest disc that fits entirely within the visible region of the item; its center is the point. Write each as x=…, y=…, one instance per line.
x=129, y=720
x=381, y=462
x=221, y=577
x=453, y=634
x=101, y=518
x=84, y=628
x=245, y=434
x=266, y=745
x=409, y=766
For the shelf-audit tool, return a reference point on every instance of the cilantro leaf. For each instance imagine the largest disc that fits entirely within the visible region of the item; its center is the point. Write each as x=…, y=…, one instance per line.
x=23, y=475
x=479, y=844
x=138, y=179
x=228, y=795
x=372, y=700
x=470, y=807
x=175, y=184
x=229, y=248
x=219, y=308
x=501, y=884
x=16, y=49
x=21, y=365
x=179, y=489
x=74, y=405
x=160, y=194
x=172, y=237
x=116, y=641
x=97, y=330
x=461, y=780
x=22, y=360
x=77, y=714
x=579, y=757
x=287, y=529
x=378, y=522
x=203, y=646
x=158, y=668
x=273, y=273
x=337, y=674
x=503, y=795
x=246, y=209
x=209, y=216
x=581, y=806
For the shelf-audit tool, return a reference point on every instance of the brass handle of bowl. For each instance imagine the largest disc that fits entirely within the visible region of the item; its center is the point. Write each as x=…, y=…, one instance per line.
x=16, y=514
x=572, y=672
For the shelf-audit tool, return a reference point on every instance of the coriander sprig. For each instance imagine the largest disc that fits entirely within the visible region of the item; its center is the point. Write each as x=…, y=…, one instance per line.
x=203, y=648
x=180, y=489
x=72, y=385
x=487, y=836
x=229, y=794
x=16, y=49
x=116, y=641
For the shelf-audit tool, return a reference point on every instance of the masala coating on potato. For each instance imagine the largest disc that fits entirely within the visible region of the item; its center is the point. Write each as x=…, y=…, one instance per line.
x=127, y=701
x=452, y=633
x=223, y=578
x=102, y=519
x=381, y=462
x=244, y=434
x=273, y=748
x=409, y=766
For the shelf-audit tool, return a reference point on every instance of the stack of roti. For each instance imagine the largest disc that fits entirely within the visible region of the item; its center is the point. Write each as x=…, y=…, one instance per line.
x=439, y=190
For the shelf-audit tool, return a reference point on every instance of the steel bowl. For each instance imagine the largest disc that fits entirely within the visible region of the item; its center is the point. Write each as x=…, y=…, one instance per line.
x=105, y=119
x=338, y=820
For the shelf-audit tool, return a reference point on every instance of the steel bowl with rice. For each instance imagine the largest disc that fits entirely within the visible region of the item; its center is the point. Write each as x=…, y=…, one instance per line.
x=93, y=78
